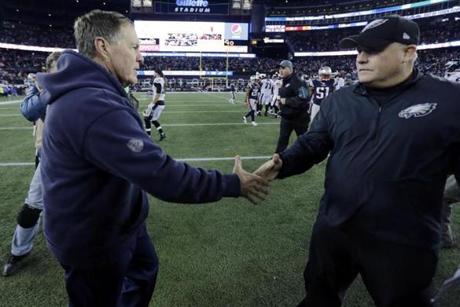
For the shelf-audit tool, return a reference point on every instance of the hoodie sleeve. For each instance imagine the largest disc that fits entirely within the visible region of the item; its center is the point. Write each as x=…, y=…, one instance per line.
x=118, y=145
x=33, y=106
x=309, y=149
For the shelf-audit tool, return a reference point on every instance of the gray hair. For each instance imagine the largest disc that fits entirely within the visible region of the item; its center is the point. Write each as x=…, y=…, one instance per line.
x=94, y=24
x=52, y=59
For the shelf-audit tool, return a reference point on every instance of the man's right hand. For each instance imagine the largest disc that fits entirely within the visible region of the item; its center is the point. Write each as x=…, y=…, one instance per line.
x=270, y=169
x=253, y=187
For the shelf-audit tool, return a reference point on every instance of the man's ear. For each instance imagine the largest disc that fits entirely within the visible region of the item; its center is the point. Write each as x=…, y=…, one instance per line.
x=410, y=54
x=101, y=45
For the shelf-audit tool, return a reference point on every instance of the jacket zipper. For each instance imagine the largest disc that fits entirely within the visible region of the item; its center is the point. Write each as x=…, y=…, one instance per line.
x=377, y=124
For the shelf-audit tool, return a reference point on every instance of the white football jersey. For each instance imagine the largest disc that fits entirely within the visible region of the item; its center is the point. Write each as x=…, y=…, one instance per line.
x=159, y=88
x=266, y=88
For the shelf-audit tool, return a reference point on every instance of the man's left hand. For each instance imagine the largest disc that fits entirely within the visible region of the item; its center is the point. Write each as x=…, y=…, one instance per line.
x=253, y=187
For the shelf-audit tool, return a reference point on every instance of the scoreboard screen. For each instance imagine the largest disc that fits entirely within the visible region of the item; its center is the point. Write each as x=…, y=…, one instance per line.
x=191, y=36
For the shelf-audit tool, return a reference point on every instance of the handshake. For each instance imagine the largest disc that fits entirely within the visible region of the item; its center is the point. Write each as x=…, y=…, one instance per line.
x=254, y=186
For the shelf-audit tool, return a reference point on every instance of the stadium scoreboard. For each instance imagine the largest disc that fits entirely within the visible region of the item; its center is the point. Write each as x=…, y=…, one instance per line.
x=191, y=36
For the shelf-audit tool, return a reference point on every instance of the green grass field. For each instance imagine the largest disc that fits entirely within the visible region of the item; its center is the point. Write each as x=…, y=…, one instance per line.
x=229, y=253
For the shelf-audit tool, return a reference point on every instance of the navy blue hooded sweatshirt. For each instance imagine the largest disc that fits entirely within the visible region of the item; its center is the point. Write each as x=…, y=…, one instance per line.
x=388, y=161
x=98, y=161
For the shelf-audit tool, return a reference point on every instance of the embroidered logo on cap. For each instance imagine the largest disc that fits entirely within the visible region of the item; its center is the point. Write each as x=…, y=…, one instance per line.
x=374, y=24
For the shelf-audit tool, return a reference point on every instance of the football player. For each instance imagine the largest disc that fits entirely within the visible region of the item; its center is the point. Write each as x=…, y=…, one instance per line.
x=252, y=95
x=232, y=93
x=452, y=190
x=33, y=108
x=153, y=111
x=266, y=93
x=321, y=89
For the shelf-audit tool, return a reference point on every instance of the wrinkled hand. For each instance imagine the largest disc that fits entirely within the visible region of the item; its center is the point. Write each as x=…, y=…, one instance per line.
x=270, y=169
x=253, y=187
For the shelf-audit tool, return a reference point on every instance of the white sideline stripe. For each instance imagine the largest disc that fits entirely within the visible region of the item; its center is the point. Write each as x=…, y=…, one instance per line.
x=10, y=102
x=165, y=125
x=10, y=115
x=183, y=160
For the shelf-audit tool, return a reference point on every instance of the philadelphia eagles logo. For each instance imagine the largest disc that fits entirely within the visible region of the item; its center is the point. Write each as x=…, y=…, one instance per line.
x=135, y=145
x=374, y=24
x=418, y=110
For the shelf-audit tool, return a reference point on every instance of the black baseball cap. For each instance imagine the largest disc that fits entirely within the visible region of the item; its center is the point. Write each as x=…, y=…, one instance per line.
x=379, y=33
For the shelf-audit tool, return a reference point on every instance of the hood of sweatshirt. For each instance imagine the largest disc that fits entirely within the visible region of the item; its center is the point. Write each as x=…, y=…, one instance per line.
x=75, y=71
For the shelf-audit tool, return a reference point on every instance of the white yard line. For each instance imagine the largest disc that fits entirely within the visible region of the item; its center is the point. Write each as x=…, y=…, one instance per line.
x=168, y=93
x=215, y=124
x=199, y=105
x=16, y=164
x=167, y=125
x=16, y=128
x=6, y=164
x=10, y=102
x=217, y=95
x=224, y=158
x=168, y=106
x=188, y=112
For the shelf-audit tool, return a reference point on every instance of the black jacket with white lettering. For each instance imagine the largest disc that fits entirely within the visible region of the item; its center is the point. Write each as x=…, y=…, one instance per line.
x=388, y=164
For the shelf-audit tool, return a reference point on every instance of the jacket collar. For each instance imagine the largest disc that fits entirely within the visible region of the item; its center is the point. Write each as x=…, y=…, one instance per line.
x=361, y=89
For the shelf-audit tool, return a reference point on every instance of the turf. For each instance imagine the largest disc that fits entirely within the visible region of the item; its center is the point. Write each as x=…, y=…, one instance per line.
x=228, y=253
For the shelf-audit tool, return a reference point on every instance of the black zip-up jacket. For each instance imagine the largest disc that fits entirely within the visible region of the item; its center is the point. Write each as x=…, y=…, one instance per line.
x=388, y=164
x=296, y=93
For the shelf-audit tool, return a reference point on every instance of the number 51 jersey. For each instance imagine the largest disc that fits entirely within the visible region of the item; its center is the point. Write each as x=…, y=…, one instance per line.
x=321, y=89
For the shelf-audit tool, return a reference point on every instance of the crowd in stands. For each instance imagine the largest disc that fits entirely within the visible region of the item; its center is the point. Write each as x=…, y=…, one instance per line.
x=16, y=64
x=328, y=7
x=432, y=31
x=36, y=35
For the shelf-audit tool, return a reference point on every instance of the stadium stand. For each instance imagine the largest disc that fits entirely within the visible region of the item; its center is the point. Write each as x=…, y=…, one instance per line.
x=16, y=64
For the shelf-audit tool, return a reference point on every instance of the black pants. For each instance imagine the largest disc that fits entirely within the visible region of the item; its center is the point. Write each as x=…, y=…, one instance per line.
x=128, y=280
x=395, y=275
x=299, y=125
